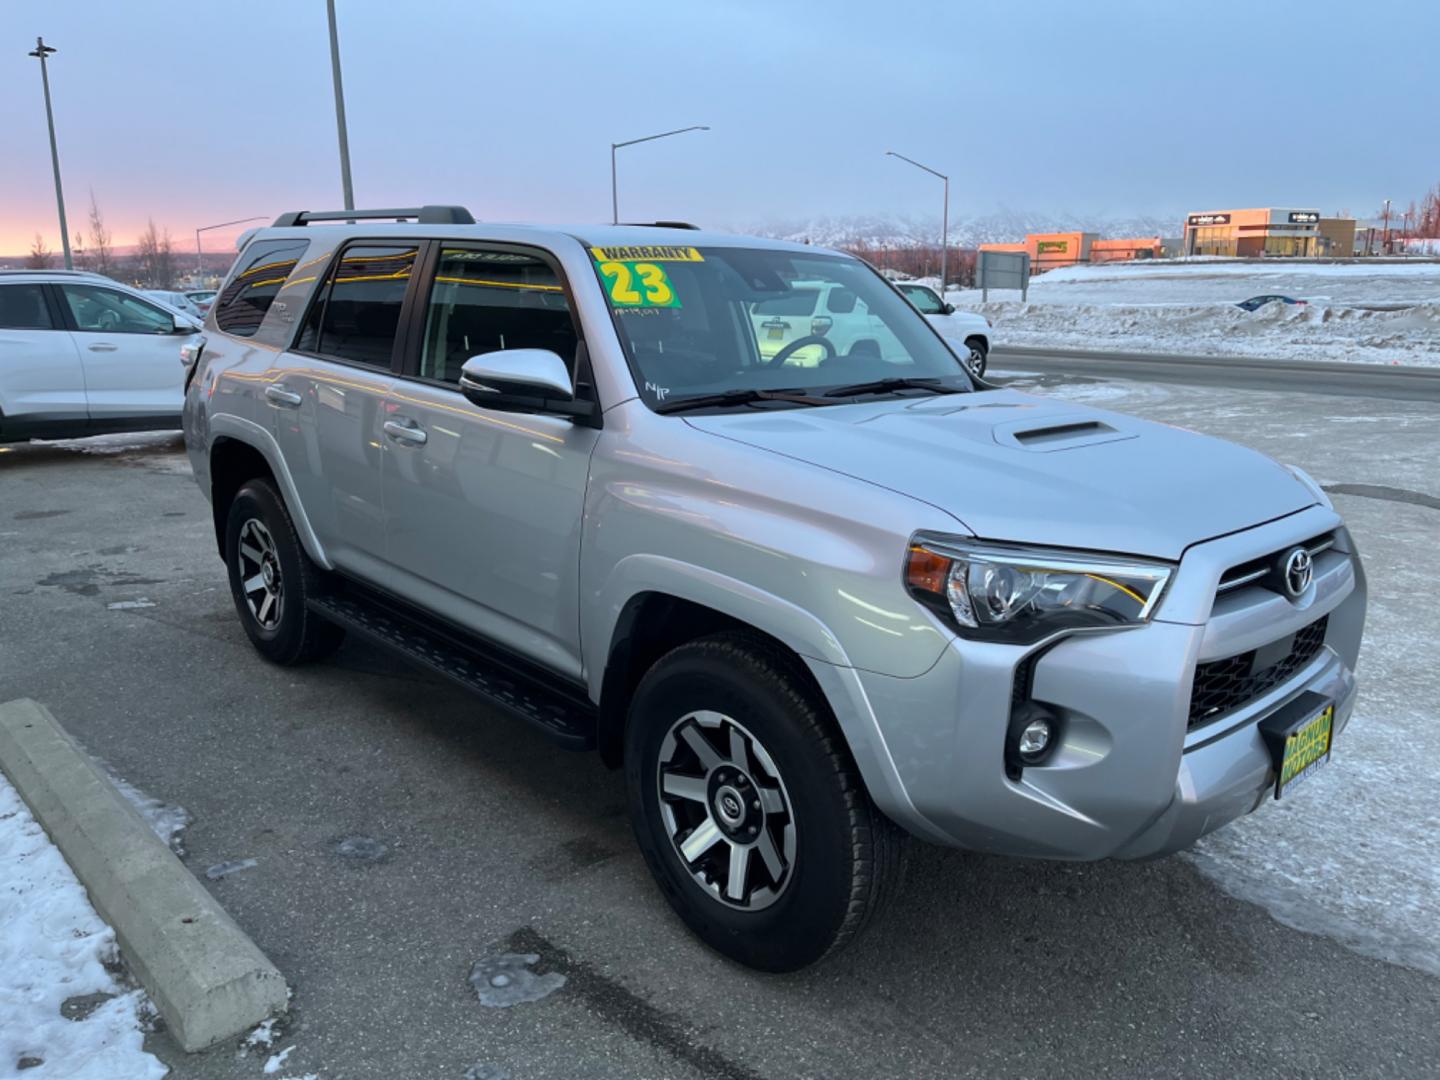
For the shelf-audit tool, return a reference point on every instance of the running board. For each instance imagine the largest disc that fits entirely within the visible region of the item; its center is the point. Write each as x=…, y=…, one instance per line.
x=564, y=717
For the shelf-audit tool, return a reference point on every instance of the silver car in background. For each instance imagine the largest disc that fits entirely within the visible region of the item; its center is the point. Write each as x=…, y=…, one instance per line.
x=801, y=589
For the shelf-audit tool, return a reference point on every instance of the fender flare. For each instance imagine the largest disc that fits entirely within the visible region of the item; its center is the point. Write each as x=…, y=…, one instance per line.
x=229, y=426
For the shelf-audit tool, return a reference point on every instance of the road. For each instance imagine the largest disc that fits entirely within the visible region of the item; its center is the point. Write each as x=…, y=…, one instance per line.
x=1288, y=376
x=495, y=841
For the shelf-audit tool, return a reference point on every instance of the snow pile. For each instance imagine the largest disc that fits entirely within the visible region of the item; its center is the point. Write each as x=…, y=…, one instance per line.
x=1274, y=331
x=53, y=948
x=1371, y=312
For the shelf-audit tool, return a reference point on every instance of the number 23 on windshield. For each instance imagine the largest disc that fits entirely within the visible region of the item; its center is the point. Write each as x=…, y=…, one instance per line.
x=638, y=284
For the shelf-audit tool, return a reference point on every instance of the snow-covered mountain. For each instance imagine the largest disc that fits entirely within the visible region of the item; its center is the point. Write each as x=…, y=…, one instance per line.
x=1003, y=225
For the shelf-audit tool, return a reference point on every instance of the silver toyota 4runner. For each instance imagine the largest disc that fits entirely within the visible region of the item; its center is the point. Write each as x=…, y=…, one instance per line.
x=801, y=595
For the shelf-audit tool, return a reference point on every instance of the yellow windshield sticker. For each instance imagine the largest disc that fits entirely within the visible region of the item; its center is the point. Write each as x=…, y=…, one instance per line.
x=647, y=253
x=633, y=284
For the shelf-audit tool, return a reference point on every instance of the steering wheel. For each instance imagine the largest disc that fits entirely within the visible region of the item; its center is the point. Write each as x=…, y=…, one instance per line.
x=799, y=343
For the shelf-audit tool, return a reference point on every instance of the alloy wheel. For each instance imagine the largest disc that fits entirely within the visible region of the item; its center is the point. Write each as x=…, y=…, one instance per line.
x=260, y=574
x=726, y=810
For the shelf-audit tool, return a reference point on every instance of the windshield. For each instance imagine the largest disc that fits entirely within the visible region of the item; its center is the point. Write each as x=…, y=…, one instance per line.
x=697, y=322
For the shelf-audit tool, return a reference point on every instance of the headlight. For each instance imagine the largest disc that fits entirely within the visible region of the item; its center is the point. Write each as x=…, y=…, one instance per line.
x=1020, y=595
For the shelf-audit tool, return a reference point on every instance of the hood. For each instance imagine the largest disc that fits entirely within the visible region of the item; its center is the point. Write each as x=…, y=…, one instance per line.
x=1030, y=470
x=959, y=323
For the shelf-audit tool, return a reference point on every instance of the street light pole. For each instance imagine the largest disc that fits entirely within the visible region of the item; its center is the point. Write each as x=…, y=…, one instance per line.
x=614, y=195
x=41, y=52
x=199, y=266
x=944, y=217
x=1385, y=241
x=340, y=108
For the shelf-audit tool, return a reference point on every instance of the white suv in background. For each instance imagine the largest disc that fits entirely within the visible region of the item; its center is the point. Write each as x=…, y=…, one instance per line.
x=968, y=333
x=81, y=354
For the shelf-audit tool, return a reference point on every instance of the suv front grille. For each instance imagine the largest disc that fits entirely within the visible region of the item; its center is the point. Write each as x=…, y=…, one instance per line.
x=1258, y=570
x=1224, y=685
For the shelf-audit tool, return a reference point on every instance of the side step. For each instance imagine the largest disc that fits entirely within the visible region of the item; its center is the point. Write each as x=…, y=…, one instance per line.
x=566, y=717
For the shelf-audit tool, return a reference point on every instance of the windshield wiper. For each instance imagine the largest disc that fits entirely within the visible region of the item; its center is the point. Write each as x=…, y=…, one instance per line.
x=738, y=397
x=885, y=386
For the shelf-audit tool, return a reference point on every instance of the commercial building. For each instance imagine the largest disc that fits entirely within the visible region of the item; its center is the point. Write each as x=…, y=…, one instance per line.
x=1051, y=250
x=1268, y=231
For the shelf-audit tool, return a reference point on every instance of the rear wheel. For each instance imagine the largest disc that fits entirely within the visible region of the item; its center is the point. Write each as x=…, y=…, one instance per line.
x=977, y=356
x=748, y=809
x=271, y=579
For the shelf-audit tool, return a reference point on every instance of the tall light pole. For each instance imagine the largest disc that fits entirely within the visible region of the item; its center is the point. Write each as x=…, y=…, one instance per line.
x=199, y=267
x=614, y=196
x=340, y=108
x=41, y=52
x=1385, y=242
x=944, y=217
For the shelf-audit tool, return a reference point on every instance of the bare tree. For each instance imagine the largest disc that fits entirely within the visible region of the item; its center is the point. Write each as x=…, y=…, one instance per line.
x=40, y=256
x=156, y=254
x=104, y=262
x=80, y=252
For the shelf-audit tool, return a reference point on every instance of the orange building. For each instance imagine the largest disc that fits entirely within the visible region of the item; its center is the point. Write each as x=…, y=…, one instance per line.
x=1050, y=250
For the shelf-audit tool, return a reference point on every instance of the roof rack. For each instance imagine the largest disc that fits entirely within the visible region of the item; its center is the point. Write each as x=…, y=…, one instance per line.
x=660, y=225
x=423, y=215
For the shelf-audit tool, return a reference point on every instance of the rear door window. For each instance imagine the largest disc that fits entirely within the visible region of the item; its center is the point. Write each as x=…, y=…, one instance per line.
x=23, y=307
x=356, y=314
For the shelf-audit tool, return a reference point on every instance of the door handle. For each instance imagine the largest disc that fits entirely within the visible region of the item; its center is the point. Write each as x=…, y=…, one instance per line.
x=407, y=433
x=102, y=346
x=280, y=396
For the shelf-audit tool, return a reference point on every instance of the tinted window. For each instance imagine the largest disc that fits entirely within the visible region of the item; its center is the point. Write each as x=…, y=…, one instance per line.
x=106, y=311
x=259, y=274
x=840, y=302
x=357, y=311
x=22, y=307
x=483, y=301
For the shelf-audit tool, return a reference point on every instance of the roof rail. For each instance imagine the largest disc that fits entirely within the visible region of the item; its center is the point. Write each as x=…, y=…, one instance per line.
x=661, y=225
x=423, y=215
x=77, y=273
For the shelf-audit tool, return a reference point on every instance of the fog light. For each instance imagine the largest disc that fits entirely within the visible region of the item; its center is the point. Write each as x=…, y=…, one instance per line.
x=1035, y=738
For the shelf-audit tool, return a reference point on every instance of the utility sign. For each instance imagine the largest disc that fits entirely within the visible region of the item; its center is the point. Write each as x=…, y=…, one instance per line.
x=1003, y=270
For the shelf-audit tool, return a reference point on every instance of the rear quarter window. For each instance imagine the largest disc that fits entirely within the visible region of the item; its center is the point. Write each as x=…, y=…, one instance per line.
x=266, y=291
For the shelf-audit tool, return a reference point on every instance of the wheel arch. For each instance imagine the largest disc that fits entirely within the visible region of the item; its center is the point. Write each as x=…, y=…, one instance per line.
x=245, y=451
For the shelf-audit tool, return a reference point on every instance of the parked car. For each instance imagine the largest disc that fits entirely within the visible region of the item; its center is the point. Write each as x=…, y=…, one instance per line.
x=81, y=354
x=179, y=301
x=202, y=298
x=970, y=332
x=1256, y=302
x=800, y=602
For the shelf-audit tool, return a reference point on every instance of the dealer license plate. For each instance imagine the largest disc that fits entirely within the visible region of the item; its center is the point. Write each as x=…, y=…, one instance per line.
x=1300, y=740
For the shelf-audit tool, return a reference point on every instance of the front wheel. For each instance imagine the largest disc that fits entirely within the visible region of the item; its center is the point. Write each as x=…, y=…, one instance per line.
x=748, y=808
x=977, y=352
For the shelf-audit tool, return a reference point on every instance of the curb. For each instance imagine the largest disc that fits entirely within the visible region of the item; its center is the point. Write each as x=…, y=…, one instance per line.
x=207, y=978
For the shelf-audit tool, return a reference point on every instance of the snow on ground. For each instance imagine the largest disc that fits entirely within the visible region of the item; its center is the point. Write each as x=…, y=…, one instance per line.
x=54, y=947
x=1189, y=307
x=1353, y=854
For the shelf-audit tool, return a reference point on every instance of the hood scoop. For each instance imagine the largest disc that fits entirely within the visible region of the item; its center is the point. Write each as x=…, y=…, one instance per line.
x=1059, y=433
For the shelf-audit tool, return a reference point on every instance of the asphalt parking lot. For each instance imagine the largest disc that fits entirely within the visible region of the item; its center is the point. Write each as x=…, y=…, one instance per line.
x=116, y=616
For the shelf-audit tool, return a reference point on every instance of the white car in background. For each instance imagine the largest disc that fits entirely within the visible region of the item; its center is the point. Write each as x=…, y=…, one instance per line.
x=963, y=329
x=179, y=301
x=81, y=354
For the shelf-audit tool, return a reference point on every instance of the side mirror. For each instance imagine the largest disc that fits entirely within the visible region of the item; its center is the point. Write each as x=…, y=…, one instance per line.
x=185, y=325
x=948, y=309
x=522, y=380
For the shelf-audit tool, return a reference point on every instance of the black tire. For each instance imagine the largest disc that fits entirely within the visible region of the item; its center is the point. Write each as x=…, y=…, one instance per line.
x=846, y=855
x=290, y=632
x=978, y=359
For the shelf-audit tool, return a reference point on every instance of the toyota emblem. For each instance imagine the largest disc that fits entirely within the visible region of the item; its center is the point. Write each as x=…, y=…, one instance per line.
x=1298, y=572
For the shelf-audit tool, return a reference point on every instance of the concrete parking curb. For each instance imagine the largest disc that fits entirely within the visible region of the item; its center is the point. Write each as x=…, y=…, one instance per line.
x=207, y=978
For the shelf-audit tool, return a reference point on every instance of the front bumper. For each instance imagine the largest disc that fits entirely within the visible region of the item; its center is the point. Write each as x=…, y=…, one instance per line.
x=1128, y=779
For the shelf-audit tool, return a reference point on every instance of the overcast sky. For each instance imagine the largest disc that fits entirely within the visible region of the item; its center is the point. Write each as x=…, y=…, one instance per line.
x=195, y=113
